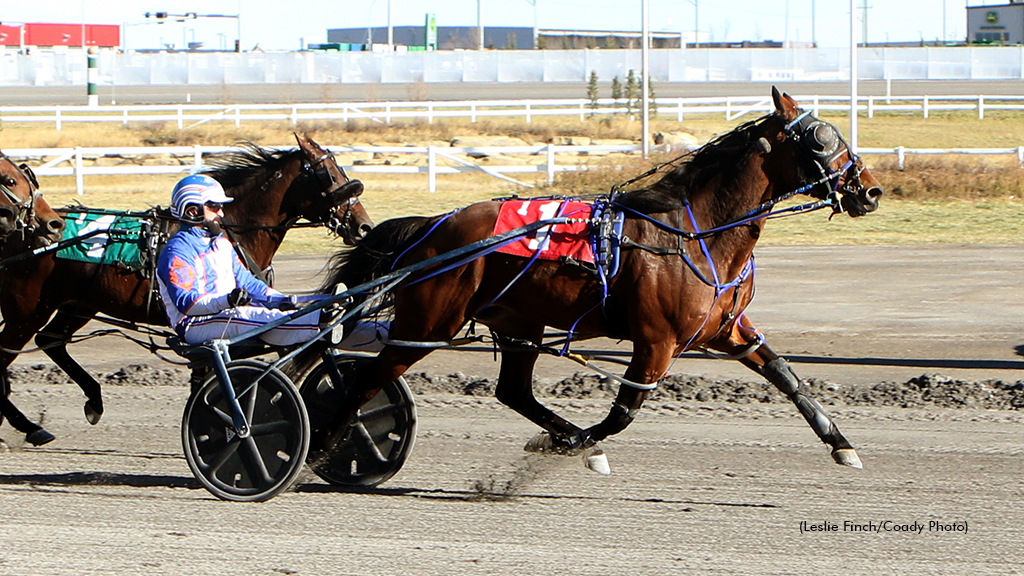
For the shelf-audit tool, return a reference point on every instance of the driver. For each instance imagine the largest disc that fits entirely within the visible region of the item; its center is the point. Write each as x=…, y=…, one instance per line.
x=207, y=291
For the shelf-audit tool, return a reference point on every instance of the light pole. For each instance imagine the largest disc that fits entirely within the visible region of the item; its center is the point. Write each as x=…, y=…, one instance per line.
x=645, y=39
x=853, y=75
x=534, y=4
x=814, y=37
x=696, y=40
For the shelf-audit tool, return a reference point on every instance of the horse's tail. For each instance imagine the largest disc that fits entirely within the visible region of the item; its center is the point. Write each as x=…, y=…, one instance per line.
x=374, y=255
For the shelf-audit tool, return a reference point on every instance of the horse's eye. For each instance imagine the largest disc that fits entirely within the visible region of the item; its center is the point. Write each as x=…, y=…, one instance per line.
x=8, y=180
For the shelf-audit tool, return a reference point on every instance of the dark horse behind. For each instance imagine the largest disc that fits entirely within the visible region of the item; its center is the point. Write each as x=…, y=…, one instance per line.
x=685, y=276
x=26, y=220
x=272, y=191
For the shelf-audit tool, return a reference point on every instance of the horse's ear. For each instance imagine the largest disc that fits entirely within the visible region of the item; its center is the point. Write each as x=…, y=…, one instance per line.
x=784, y=104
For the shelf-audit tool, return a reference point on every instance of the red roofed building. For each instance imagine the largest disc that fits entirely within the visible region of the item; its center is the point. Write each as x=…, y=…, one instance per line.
x=39, y=34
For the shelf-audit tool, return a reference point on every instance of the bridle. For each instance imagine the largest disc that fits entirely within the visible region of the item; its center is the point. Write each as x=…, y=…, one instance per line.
x=348, y=192
x=822, y=143
x=23, y=209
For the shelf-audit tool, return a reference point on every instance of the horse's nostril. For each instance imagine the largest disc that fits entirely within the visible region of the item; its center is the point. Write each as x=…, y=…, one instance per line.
x=364, y=229
x=55, y=225
x=874, y=193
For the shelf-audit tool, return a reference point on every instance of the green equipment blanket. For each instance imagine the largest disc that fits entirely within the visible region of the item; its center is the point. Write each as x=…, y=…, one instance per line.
x=125, y=249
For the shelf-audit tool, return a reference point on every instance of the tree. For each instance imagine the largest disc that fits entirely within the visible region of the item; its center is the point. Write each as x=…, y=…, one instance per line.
x=632, y=92
x=542, y=42
x=616, y=90
x=652, y=105
x=592, y=90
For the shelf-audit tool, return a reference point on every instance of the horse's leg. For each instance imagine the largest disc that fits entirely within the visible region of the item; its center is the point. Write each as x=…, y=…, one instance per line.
x=647, y=366
x=53, y=339
x=515, y=385
x=12, y=338
x=776, y=370
x=649, y=363
x=362, y=383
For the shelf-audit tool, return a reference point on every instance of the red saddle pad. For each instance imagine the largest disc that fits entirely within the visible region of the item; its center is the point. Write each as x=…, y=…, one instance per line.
x=550, y=242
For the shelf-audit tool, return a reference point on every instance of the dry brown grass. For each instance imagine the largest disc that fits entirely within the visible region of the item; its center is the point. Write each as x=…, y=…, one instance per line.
x=978, y=197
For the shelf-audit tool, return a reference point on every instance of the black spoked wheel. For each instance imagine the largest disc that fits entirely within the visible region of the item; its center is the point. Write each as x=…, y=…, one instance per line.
x=380, y=441
x=266, y=463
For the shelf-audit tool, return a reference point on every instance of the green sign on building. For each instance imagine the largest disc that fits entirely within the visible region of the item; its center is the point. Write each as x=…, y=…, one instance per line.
x=430, y=32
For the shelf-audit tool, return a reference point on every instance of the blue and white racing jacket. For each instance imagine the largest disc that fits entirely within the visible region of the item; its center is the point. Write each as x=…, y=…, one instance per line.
x=196, y=272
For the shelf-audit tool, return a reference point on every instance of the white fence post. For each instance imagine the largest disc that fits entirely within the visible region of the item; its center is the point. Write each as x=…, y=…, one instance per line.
x=430, y=116
x=527, y=112
x=431, y=169
x=56, y=117
x=197, y=158
x=238, y=116
x=125, y=121
x=871, y=107
x=387, y=114
x=901, y=157
x=924, y=106
x=679, y=110
x=295, y=115
x=472, y=112
x=1020, y=156
x=79, y=179
x=981, y=107
x=181, y=117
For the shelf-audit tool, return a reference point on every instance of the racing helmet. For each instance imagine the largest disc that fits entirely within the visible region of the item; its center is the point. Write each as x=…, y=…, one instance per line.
x=195, y=189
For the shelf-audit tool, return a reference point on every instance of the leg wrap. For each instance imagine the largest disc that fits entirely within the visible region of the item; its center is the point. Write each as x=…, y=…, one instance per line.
x=779, y=373
x=616, y=421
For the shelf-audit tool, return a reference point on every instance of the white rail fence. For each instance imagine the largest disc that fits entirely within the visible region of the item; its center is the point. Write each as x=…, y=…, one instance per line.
x=732, y=107
x=81, y=162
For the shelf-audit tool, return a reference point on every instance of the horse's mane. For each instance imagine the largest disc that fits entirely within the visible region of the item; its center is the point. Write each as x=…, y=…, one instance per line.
x=693, y=170
x=241, y=170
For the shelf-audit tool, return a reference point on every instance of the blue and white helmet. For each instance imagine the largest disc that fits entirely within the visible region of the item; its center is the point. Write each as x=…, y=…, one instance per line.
x=196, y=189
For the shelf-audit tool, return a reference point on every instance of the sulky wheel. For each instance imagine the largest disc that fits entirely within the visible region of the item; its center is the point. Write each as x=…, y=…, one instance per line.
x=377, y=445
x=266, y=463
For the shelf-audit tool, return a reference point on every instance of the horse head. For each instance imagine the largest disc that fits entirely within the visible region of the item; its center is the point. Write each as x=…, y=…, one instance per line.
x=825, y=164
x=23, y=209
x=339, y=194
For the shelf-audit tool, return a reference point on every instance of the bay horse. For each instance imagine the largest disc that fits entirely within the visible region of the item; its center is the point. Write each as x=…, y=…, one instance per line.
x=684, y=278
x=271, y=189
x=23, y=211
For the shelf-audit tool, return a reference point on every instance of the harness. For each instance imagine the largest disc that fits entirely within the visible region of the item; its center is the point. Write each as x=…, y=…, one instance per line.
x=819, y=141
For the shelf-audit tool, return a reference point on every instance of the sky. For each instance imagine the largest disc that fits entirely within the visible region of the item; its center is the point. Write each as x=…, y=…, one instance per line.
x=284, y=25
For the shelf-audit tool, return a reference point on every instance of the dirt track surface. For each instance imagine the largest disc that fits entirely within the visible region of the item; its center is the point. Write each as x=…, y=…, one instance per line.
x=913, y=350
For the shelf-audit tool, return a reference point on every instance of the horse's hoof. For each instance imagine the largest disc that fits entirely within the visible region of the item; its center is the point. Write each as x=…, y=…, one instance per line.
x=541, y=443
x=598, y=462
x=847, y=457
x=40, y=437
x=544, y=443
x=92, y=414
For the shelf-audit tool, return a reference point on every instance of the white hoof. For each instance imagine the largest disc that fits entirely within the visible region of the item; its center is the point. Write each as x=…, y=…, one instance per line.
x=598, y=462
x=847, y=457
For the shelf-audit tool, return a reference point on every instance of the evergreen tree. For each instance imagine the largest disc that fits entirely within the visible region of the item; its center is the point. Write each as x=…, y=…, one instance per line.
x=632, y=92
x=616, y=90
x=592, y=90
x=652, y=105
